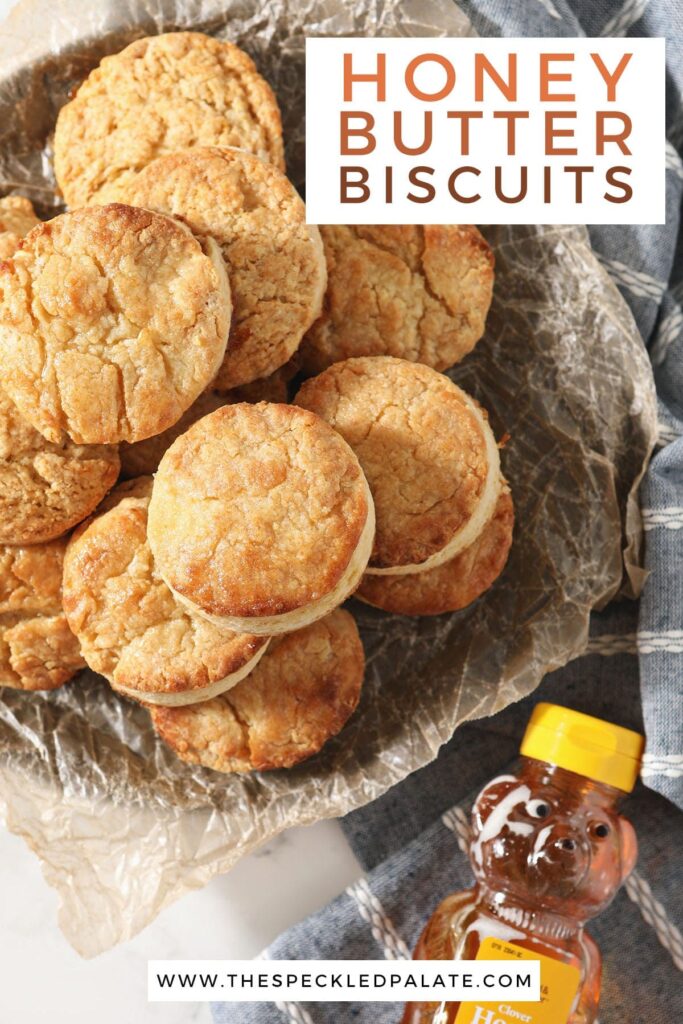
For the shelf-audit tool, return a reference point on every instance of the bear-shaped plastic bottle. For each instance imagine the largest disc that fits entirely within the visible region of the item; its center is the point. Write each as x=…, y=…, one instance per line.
x=549, y=851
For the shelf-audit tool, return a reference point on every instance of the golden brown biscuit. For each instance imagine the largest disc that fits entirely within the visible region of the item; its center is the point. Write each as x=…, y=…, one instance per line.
x=17, y=218
x=427, y=451
x=130, y=626
x=456, y=583
x=160, y=94
x=46, y=488
x=143, y=457
x=302, y=693
x=38, y=651
x=418, y=293
x=112, y=321
x=275, y=260
x=261, y=518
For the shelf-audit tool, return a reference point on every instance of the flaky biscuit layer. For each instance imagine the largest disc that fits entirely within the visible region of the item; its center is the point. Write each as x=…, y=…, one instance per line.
x=426, y=448
x=131, y=628
x=301, y=693
x=259, y=511
x=456, y=583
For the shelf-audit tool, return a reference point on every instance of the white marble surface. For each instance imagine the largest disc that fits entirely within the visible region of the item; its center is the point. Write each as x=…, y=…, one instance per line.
x=235, y=916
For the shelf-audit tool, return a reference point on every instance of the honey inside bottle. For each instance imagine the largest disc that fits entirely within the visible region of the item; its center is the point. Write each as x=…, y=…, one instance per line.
x=549, y=850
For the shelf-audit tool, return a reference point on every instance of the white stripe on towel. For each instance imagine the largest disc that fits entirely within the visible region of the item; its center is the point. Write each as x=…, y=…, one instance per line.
x=381, y=926
x=653, y=913
x=673, y=160
x=670, y=766
x=650, y=642
x=459, y=824
x=675, y=131
x=551, y=9
x=293, y=1012
x=630, y=13
x=667, y=332
x=612, y=643
x=642, y=285
x=670, y=517
x=666, y=435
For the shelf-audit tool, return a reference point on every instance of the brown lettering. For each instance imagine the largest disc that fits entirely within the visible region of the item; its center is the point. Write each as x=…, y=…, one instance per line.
x=619, y=138
x=346, y=185
x=552, y=133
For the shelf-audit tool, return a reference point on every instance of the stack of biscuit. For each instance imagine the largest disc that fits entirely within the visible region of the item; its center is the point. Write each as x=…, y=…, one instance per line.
x=150, y=335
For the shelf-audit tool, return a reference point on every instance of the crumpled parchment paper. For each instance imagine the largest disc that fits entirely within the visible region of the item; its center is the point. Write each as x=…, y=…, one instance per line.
x=121, y=826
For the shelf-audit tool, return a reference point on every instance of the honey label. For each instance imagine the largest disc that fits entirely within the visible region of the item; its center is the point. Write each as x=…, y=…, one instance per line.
x=559, y=985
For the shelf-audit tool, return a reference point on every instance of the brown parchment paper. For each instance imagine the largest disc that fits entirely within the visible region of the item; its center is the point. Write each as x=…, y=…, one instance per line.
x=121, y=826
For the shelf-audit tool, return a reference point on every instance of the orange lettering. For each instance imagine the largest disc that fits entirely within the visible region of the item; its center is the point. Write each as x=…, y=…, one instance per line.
x=380, y=76
x=483, y=65
x=548, y=76
x=430, y=97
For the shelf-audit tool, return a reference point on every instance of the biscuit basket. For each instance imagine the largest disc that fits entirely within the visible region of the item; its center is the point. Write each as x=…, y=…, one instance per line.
x=562, y=370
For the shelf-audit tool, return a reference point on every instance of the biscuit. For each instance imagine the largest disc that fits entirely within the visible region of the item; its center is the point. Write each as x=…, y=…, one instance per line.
x=160, y=94
x=418, y=293
x=275, y=260
x=112, y=321
x=426, y=448
x=302, y=693
x=17, y=218
x=46, y=488
x=456, y=583
x=261, y=518
x=38, y=651
x=130, y=626
x=143, y=457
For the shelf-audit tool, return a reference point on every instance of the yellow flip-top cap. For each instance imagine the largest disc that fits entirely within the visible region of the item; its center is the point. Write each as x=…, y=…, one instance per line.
x=588, y=746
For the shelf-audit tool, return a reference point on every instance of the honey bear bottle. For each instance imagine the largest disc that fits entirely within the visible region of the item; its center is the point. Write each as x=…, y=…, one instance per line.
x=549, y=851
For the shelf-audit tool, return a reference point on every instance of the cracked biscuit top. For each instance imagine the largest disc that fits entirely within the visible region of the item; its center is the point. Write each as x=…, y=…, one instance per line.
x=38, y=651
x=275, y=260
x=456, y=583
x=17, y=218
x=46, y=488
x=112, y=321
x=420, y=442
x=160, y=94
x=257, y=511
x=143, y=457
x=300, y=694
x=418, y=293
x=130, y=626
